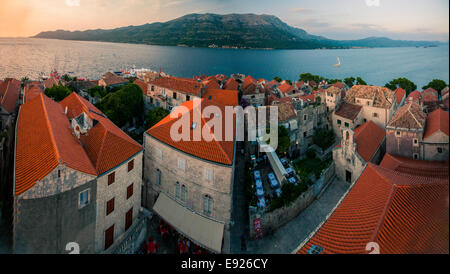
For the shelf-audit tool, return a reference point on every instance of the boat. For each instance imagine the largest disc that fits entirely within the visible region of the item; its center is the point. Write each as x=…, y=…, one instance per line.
x=338, y=63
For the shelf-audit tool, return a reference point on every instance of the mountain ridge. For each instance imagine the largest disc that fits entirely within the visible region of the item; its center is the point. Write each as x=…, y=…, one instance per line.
x=229, y=30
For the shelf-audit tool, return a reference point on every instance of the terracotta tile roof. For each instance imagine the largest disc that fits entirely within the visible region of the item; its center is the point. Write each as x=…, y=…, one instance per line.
x=348, y=111
x=430, y=91
x=286, y=111
x=403, y=213
x=143, y=85
x=112, y=79
x=333, y=90
x=368, y=138
x=428, y=98
x=217, y=150
x=32, y=90
x=399, y=94
x=382, y=96
x=273, y=83
x=183, y=85
x=250, y=89
x=273, y=100
x=249, y=80
x=444, y=92
x=212, y=83
x=106, y=145
x=286, y=88
x=312, y=83
x=408, y=116
x=50, y=82
x=307, y=98
x=415, y=96
x=231, y=84
x=437, y=120
x=44, y=140
x=222, y=96
x=415, y=167
x=10, y=94
x=300, y=84
x=339, y=85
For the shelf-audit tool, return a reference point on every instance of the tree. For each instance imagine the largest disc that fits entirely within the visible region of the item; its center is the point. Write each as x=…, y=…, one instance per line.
x=278, y=79
x=154, y=116
x=57, y=93
x=66, y=77
x=437, y=85
x=403, y=83
x=123, y=105
x=350, y=81
x=97, y=91
x=360, y=81
x=289, y=82
x=283, y=139
x=306, y=77
x=324, y=138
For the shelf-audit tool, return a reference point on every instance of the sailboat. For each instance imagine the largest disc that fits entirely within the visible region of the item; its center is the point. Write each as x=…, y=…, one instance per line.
x=338, y=65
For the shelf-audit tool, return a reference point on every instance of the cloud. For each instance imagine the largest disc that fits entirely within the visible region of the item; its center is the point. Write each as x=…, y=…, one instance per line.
x=301, y=10
x=73, y=3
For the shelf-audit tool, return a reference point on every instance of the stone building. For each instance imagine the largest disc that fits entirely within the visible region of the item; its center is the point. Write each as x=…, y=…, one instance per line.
x=365, y=144
x=347, y=116
x=333, y=98
x=378, y=103
x=253, y=92
x=169, y=92
x=435, y=140
x=9, y=98
x=77, y=178
x=189, y=183
x=110, y=80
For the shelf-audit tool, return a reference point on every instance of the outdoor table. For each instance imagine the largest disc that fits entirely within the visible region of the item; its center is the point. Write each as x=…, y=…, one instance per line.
x=292, y=180
x=259, y=192
x=261, y=202
x=289, y=170
x=259, y=184
x=257, y=174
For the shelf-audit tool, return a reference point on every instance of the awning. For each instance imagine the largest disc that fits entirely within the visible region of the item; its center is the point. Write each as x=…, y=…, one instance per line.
x=202, y=231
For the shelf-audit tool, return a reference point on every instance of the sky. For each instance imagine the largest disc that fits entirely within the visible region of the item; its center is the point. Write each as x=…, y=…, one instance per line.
x=335, y=19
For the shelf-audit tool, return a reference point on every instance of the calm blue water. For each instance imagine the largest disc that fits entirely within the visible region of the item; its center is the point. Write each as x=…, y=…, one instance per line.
x=29, y=57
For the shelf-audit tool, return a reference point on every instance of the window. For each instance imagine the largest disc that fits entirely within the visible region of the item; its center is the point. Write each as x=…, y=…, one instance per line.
x=415, y=142
x=304, y=134
x=59, y=173
x=398, y=134
x=368, y=103
x=339, y=122
x=158, y=177
x=128, y=219
x=83, y=198
x=416, y=156
x=208, y=174
x=177, y=189
x=111, y=178
x=130, y=165
x=375, y=114
x=153, y=88
x=174, y=95
x=183, y=193
x=163, y=92
x=130, y=191
x=346, y=124
x=158, y=153
x=188, y=98
x=182, y=164
x=109, y=206
x=207, y=205
x=439, y=149
x=357, y=101
x=109, y=237
x=305, y=117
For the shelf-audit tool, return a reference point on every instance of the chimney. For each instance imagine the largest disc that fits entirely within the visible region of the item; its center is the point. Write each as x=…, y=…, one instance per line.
x=65, y=111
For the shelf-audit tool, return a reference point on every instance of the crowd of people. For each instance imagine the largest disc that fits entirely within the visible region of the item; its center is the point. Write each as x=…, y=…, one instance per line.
x=170, y=235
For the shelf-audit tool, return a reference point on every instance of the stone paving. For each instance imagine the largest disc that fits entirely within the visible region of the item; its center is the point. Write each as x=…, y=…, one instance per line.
x=287, y=238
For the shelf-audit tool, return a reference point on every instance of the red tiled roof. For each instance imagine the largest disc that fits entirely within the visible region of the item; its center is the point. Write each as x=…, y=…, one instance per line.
x=44, y=140
x=402, y=213
x=217, y=150
x=408, y=116
x=368, y=137
x=182, y=85
x=285, y=88
x=231, y=84
x=50, y=82
x=399, y=94
x=348, y=111
x=299, y=84
x=143, y=85
x=212, y=83
x=308, y=98
x=32, y=90
x=222, y=96
x=430, y=91
x=437, y=120
x=106, y=145
x=112, y=79
x=428, y=98
x=415, y=95
x=10, y=95
x=248, y=81
x=415, y=167
x=339, y=85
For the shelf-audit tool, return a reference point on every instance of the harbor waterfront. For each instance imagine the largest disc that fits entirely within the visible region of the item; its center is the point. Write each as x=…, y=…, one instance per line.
x=29, y=57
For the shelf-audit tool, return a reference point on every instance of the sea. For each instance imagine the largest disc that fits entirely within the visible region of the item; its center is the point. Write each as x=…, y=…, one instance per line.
x=20, y=57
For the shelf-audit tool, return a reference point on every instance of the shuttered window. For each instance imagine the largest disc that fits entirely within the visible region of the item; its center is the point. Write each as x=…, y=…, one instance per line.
x=109, y=237
x=158, y=177
x=130, y=165
x=109, y=206
x=111, y=178
x=128, y=219
x=130, y=191
x=183, y=193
